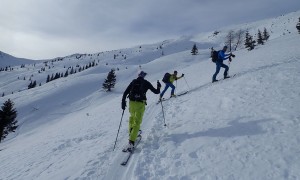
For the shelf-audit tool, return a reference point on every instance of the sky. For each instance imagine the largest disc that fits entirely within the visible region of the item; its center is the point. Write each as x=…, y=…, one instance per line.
x=46, y=29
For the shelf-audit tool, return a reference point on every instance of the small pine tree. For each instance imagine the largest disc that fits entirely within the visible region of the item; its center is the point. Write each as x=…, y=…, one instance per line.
x=249, y=42
x=298, y=26
x=194, y=50
x=72, y=71
x=8, y=120
x=66, y=74
x=57, y=75
x=34, y=84
x=110, y=81
x=48, y=78
x=52, y=78
x=30, y=85
x=266, y=35
x=260, y=39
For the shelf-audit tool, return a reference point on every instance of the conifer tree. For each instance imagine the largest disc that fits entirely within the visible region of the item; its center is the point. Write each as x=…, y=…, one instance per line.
x=48, y=78
x=110, y=81
x=194, y=50
x=30, y=85
x=249, y=42
x=8, y=120
x=266, y=35
x=66, y=74
x=260, y=39
x=34, y=84
x=72, y=71
x=57, y=75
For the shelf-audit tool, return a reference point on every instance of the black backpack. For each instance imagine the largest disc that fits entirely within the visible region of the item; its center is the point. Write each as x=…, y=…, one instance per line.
x=137, y=91
x=214, y=56
x=166, y=78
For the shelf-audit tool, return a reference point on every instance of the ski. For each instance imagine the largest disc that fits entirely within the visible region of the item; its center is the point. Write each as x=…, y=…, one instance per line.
x=165, y=99
x=225, y=78
x=183, y=93
x=230, y=76
x=125, y=161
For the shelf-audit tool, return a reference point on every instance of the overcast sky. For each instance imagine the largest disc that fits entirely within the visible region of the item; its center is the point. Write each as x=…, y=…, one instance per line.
x=42, y=29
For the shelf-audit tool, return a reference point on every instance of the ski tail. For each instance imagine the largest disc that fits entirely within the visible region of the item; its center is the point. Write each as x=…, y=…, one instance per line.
x=129, y=154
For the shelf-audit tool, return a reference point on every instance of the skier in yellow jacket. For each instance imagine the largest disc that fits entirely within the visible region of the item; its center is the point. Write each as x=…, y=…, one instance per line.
x=169, y=83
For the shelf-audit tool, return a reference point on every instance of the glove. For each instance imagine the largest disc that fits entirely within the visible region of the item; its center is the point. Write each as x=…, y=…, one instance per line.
x=123, y=104
x=182, y=75
x=158, y=85
x=232, y=55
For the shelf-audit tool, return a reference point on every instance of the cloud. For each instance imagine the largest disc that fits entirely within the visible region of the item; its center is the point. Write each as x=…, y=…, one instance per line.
x=47, y=29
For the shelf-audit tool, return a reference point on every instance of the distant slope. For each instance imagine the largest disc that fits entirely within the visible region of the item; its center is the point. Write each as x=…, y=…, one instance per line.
x=8, y=60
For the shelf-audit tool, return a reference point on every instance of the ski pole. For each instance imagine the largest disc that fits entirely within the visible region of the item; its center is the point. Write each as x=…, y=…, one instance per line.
x=175, y=87
x=228, y=66
x=118, y=130
x=187, y=83
x=162, y=107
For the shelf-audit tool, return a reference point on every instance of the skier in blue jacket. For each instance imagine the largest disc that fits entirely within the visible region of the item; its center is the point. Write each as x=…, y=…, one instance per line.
x=219, y=63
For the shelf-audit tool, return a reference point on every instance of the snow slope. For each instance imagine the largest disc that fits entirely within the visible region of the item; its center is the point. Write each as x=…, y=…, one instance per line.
x=8, y=60
x=246, y=127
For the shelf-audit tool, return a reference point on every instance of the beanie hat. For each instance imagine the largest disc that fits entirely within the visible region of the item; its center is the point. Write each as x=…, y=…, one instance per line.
x=142, y=74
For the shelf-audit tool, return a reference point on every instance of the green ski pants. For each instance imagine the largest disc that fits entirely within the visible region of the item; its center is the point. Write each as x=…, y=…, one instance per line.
x=136, y=110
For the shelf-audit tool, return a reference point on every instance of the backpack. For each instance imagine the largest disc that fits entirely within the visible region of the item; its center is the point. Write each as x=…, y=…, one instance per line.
x=214, y=56
x=166, y=78
x=137, y=91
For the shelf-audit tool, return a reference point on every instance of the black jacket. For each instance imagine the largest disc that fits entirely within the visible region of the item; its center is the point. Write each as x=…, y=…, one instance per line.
x=146, y=86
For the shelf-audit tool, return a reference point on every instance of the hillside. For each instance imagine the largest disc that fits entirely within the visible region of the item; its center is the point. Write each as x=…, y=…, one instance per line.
x=246, y=127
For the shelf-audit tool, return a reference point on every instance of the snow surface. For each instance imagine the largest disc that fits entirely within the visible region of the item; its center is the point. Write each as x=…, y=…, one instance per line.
x=246, y=127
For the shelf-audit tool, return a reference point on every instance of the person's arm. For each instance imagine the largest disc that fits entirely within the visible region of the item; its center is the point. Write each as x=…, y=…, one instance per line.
x=176, y=78
x=126, y=92
x=223, y=56
x=155, y=91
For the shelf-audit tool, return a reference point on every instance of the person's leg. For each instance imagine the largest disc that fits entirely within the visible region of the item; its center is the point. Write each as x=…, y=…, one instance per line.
x=137, y=110
x=163, y=92
x=226, y=70
x=173, y=89
x=218, y=67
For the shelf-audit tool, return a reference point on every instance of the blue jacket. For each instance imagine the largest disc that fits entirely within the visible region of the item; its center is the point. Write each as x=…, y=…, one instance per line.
x=222, y=56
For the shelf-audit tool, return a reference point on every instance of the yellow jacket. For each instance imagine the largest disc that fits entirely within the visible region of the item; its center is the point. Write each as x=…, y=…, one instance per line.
x=173, y=77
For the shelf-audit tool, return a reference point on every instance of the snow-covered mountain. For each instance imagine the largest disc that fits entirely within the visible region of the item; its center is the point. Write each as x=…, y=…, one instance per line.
x=246, y=127
x=7, y=60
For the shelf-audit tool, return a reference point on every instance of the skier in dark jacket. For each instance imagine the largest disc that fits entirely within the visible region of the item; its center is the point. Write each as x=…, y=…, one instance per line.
x=136, y=92
x=219, y=63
